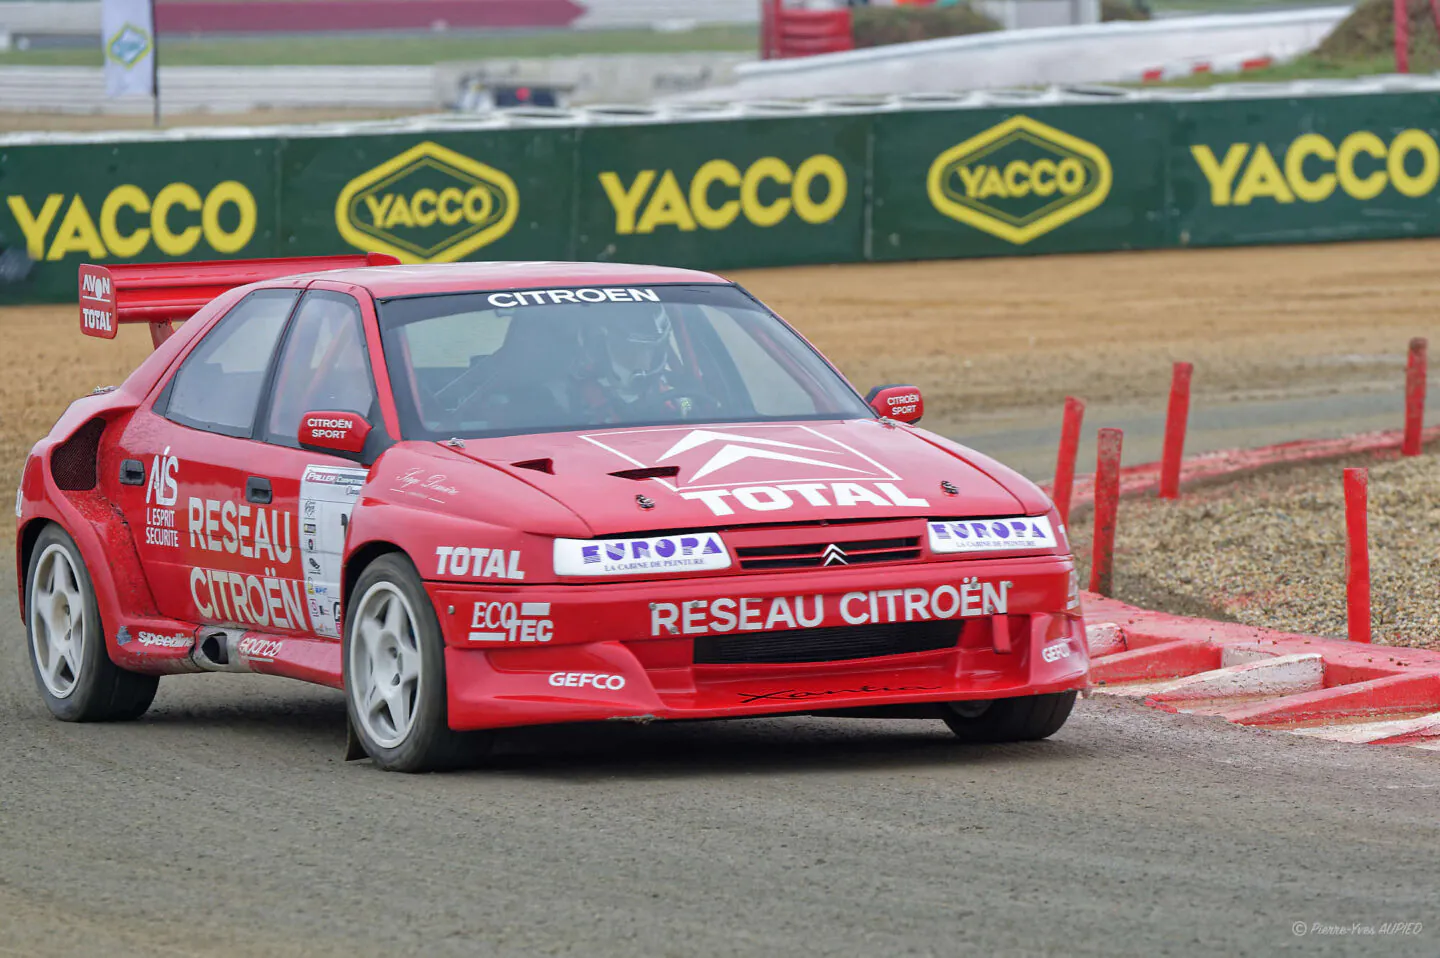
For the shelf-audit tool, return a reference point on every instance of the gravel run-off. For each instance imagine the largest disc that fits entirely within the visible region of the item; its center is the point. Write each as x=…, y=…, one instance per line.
x=1269, y=550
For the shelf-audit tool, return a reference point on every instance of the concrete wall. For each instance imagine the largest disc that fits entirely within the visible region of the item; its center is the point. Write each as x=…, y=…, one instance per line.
x=1096, y=53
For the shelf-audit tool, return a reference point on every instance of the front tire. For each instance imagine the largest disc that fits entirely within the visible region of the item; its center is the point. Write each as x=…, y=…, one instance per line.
x=68, y=657
x=1027, y=718
x=394, y=662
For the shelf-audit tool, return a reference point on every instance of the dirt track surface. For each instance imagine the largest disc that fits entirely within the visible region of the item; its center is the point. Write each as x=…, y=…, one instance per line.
x=224, y=823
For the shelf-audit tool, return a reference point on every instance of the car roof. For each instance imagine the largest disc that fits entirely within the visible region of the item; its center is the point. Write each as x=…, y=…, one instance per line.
x=390, y=281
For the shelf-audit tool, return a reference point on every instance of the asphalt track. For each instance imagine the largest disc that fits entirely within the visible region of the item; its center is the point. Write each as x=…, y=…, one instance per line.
x=225, y=823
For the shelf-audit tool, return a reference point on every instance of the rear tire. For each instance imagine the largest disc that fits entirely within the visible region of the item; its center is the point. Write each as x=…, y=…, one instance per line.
x=1024, y=719
x=394, y=662
x=68, y=657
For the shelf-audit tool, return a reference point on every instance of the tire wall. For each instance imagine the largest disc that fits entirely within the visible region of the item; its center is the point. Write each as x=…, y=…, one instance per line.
x=1117, y=173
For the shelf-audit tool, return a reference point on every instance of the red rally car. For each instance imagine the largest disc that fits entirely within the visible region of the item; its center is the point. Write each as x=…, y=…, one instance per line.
x=497, y=494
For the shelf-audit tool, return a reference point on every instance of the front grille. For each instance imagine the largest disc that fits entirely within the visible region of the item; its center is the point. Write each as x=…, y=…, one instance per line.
x=826, y=645
x=810, y=555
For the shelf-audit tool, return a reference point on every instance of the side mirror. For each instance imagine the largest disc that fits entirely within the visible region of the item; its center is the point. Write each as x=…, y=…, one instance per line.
x=901, y=403
x=340, y=433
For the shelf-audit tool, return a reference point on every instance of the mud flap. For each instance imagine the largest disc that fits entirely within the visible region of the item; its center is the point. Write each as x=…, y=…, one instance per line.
x=354, y=751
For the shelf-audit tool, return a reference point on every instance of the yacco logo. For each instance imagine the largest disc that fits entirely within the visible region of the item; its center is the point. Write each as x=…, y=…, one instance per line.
x=1019, y=179
x=128, y=46
x=427, y=205
x=741, y=454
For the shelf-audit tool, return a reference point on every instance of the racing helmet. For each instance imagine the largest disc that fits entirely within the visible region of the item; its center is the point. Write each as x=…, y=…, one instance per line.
x=631, y=342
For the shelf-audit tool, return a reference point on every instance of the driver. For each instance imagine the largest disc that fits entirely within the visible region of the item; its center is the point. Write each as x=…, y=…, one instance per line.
x=626, y=373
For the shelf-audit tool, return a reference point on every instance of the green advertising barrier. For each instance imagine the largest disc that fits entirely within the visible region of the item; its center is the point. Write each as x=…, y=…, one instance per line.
x=431, y=197
x=118, y=202
x=724, y=194
x=1301, y=170
x=986, y=182
x=1021, y=174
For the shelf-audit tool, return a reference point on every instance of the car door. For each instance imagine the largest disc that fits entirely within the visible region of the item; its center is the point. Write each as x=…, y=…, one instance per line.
x=323, y=366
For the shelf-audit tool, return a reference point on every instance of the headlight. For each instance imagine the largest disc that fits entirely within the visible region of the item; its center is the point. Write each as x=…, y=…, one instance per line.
x=991, y=535
x=686, y=552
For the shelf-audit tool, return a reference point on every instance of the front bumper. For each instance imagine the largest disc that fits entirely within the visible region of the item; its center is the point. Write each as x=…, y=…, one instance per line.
x=637, y=650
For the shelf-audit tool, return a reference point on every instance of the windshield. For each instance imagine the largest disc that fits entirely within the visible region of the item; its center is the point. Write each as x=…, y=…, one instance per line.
x=481, y=364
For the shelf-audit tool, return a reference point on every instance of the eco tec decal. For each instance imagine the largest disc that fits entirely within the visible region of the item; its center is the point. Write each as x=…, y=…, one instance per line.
x=1019, y=179
x=430, y=204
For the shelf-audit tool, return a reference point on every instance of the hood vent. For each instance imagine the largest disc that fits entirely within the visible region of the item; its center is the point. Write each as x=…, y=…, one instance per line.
x=546, y=466
x=651, y=472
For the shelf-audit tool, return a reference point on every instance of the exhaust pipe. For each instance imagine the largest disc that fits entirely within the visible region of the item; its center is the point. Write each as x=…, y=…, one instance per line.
x=218, y=651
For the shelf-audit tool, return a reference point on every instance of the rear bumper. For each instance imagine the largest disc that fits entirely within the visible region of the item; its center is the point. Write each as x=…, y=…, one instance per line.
x=547, y=654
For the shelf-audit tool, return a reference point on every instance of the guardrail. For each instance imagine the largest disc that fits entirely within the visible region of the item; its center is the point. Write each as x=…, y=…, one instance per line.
x=760, y=184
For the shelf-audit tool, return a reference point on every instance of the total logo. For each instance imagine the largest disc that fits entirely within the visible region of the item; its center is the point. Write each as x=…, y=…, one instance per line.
x=702, y=551
x=507, y=622
x=478, y=563
x=760, y=468
x=592, y=680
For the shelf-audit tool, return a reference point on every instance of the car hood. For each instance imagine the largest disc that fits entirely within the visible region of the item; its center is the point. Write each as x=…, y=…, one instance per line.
x=628, y=480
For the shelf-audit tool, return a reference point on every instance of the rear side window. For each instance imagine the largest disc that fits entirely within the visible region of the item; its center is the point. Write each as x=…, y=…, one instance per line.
x=218, y=386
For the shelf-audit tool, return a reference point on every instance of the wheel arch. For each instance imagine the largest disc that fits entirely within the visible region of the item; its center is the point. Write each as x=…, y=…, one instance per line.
x=25, y=550
x=360, y=559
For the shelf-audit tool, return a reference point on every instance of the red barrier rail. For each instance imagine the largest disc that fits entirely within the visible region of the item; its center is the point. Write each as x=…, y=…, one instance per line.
x=1176, y=421
x=1401, y=13
x=1357, y=555
x=786, y=32
x=1414, y=398
x=1107, y=504
x=1065, y=460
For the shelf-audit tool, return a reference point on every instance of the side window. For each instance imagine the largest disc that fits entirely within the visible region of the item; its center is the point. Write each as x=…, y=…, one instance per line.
x=218, y=387
x=323, y=366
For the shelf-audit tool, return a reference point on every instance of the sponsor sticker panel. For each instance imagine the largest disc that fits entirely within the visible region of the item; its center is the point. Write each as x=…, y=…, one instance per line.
x=327, y=497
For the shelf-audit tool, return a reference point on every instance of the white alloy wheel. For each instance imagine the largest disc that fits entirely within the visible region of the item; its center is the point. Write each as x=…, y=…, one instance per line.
x=57, y=621
x=385, y=665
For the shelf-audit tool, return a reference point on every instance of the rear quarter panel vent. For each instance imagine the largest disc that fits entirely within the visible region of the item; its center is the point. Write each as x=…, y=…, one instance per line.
x=73, y=463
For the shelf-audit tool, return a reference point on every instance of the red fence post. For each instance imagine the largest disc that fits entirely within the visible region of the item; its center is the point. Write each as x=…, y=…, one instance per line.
x=1414, y=397
x=1357, y=555
x=1402, y=36
x=1069, y=449
x=1176, y=421
x=1107, y=504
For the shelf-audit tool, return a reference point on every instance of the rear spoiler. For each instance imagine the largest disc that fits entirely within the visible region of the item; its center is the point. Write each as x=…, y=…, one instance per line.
x=163, y=293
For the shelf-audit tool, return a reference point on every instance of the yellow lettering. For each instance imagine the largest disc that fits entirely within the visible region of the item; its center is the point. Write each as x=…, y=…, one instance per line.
x=1362, y=188
x=1014, y=185
x=1306, y=145
x=1070, y=176
x=993, y=185
x=378, y=208
x=713, y=217
x=1046, y=186
x=1263, y=178
x=626, y=202
x=448, y=208
x=176, y=194
x=1220, y=175
x=124, y=245
x=971, y=178
x=487, y=204
x=805, y=174
x=76, y=234
x=422, y=206
x=666, y=207
x=1420, y=142
x=35, y=228
x=765, y=168
x=399, y=214
x=230, y=191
